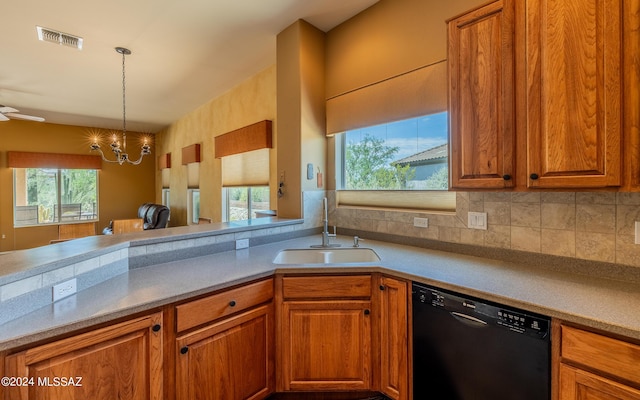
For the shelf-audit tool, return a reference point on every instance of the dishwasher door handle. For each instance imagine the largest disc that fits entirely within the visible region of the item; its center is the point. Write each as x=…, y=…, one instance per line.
x=468, y=319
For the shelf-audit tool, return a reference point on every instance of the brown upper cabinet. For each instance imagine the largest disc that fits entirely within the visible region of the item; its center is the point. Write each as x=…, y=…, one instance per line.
x=573, y=93
x=560, y=64
x=481, y=97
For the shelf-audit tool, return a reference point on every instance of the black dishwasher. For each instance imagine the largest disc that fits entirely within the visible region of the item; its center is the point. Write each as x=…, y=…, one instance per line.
x=470, y=349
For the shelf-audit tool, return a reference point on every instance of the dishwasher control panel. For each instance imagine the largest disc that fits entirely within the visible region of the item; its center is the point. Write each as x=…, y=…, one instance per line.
x=516, y=320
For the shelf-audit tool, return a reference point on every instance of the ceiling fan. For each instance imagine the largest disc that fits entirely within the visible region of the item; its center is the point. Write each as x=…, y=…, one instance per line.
x=7, y=113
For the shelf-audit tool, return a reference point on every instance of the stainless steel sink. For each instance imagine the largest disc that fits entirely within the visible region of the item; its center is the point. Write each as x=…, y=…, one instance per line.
x=353, y=255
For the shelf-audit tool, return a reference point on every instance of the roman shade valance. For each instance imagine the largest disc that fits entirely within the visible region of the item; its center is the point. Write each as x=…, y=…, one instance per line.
x=164, y=161
x=22, y=159
x=419, y=92
x=245, y=155
x=251, y=137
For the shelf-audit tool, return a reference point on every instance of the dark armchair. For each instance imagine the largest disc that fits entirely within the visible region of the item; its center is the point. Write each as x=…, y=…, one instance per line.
x=150, y=216
x=155, y=216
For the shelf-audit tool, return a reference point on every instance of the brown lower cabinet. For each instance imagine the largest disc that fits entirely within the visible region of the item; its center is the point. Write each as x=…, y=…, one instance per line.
x=231, y=359
x=122, y=361
x=343, y=332
x=596, y=367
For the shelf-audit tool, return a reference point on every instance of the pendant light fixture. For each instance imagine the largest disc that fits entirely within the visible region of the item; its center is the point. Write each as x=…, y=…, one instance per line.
x=121, y=151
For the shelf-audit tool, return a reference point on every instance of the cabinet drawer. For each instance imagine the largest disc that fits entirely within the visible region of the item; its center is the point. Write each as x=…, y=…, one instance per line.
x=612, y=356
x=210, y=308
x=323, y=287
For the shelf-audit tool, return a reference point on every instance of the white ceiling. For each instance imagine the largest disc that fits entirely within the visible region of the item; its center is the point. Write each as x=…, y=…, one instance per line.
x=184, y=53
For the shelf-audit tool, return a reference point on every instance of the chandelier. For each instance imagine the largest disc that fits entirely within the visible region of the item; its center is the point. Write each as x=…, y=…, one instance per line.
x=121, y=151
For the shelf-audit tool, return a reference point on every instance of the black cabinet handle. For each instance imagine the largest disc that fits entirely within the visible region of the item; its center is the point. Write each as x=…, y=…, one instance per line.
x=382, y=287
x=534, y=176
x=184, y=350
x=506, y=177
x=156, y=327
x=367, y=311
x=232, y=303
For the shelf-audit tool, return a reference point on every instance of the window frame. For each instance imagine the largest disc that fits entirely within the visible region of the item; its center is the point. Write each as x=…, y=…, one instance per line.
x=57, y=212
x=226, y=201
x=193, y=212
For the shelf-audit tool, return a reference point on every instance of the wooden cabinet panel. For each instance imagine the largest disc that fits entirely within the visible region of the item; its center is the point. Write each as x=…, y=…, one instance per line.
x=231, y=301
x=326, y=345
x=576, y=384
x=394, y=338
x=123, y=361
x=481, y=97
x=325, y=287
x=231, y=360
x=611, y=356
x=573, y=99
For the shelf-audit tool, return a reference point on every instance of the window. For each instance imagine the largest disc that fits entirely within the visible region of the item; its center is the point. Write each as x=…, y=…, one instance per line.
x=193, y=206
x=53, y=196
x=241, y=203
x=405, y=155
x=166, y=197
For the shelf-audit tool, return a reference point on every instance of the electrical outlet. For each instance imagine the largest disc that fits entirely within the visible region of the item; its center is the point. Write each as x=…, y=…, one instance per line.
x=64, y=289
x=421, y=222
x=242, y=244
x=477, y=220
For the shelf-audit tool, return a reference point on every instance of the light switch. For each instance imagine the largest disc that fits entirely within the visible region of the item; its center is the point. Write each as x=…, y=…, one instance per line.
x=477, y=220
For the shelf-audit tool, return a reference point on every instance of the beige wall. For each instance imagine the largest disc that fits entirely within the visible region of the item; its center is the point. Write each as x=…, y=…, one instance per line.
x=252, y=101
x=390, y=38
x=122, y=188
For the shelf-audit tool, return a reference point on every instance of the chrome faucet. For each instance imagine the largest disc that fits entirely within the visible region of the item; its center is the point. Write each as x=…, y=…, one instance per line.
x=325, y=232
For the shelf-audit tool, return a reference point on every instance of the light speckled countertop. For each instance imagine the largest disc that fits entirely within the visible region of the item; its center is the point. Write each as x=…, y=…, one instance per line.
x=604, y=304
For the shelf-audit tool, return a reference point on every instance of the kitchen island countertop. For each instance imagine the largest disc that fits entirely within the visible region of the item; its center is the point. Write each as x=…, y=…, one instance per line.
x=605, y=304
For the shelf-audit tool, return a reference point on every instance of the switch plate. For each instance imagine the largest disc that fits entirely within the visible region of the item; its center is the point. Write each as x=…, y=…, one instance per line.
x=637, y=239
x=477, y=220
x=65, y=289
x=242, y=244
x=421, y=222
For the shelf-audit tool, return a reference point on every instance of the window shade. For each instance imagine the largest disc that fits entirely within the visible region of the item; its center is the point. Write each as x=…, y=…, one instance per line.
x=21, y=159
x=415, y=93
x=246, y=169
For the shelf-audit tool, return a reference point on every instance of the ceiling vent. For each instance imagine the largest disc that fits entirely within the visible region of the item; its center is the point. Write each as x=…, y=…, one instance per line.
x=49, y=35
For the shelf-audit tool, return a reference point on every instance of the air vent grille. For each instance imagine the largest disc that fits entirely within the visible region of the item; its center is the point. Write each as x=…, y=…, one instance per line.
x=50, y=35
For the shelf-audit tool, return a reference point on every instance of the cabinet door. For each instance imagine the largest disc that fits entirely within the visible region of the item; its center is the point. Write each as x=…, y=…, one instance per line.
x=232, y=359
x=481, y=97
x=576, y=384
x=394, y=338
x=123, y=361
x=326, y=345
x=574, y=73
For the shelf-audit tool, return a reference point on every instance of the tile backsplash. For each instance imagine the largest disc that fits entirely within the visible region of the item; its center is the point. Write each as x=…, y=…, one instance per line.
x=584, y=225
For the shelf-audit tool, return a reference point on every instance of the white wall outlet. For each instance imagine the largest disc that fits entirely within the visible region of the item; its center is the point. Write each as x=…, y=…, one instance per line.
x=421, y=222
x=477, y=220
x=637, y=239
x=65, y=289
x=242, y=244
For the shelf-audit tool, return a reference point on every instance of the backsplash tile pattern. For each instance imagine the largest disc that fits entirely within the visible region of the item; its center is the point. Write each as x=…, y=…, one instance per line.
x=584, y=225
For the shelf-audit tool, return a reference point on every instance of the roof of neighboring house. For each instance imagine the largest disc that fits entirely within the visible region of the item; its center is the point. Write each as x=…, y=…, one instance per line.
x=434, y=153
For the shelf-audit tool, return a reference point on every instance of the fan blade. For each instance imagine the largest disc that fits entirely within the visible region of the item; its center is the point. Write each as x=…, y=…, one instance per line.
x=3, y=117
x=27, y=117
x=5, y=109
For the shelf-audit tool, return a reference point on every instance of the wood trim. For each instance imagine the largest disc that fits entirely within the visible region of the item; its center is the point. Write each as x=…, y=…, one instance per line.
x=252, y=137
x=23, y=159
x=164, y=161
x=191, y=154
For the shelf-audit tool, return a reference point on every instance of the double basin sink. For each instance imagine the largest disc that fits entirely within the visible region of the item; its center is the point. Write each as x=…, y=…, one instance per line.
x=327, y=255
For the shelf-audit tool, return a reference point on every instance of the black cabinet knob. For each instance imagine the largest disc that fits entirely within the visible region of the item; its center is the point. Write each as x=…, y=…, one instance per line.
x=232, y=303
x=382, y=287
x=506, y=177
x=184, y=350
x=367, y=311
x=534, y=176
x=156, y=327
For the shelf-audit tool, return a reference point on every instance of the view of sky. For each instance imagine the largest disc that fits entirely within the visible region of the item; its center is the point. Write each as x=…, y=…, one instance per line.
x=411, y=136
